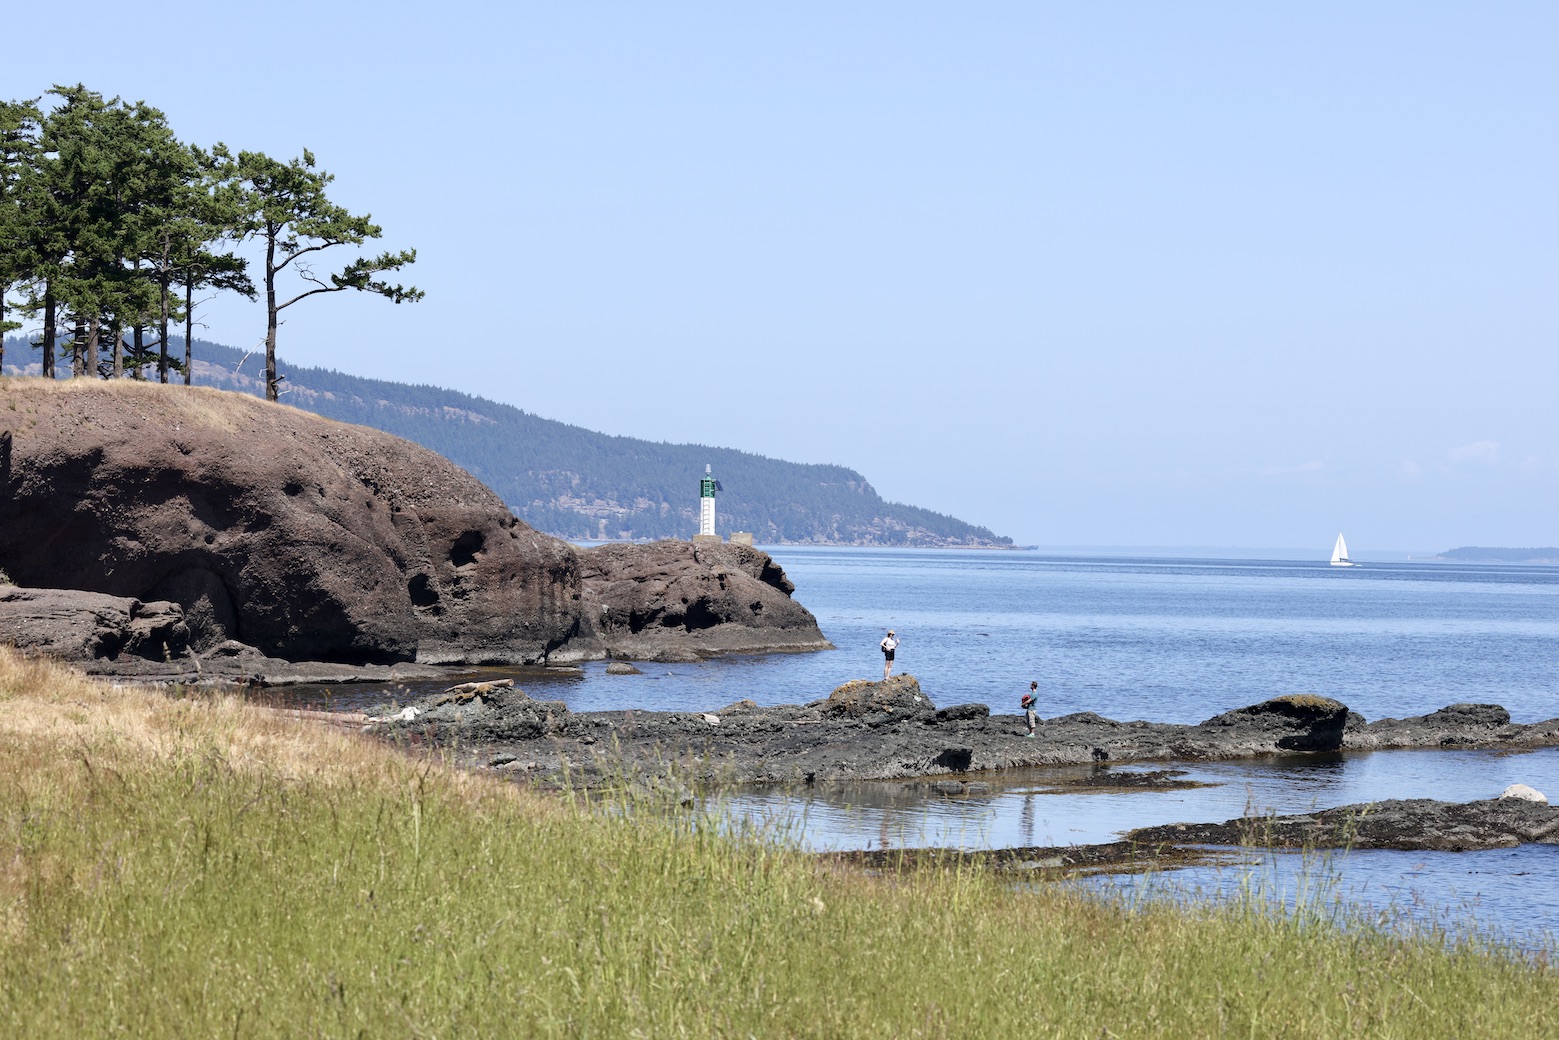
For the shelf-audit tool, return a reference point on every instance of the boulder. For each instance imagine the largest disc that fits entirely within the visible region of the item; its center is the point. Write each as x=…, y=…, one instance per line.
x=1297, y=722
x=899, y=696
x=963, y=713
x=90, y=626
x=305, y=538
x=680, y=601
x=1525, y=793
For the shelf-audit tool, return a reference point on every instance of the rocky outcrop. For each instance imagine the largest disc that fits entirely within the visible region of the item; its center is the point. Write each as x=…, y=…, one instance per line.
x=1458, y=725
x=1414, y=823
x=92, y=627
x=893, y=700
x=124, y=638
x=680, y=601
x=302, y=537
x=285, y=537
x=1302, y=722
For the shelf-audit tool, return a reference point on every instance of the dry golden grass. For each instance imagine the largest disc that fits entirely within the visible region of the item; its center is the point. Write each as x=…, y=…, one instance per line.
x=172, y=406
x=52, y=716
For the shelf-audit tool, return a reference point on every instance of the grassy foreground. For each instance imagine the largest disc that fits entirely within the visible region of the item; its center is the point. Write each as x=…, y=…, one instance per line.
x=198, y=867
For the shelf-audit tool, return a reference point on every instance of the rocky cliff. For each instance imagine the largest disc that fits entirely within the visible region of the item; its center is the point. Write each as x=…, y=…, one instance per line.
x=305, y=538
x=311, y=540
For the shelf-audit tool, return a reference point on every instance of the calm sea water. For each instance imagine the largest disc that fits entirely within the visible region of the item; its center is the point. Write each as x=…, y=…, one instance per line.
x=1173, y=640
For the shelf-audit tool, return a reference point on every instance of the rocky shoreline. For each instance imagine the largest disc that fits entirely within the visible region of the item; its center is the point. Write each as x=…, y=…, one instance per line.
x=891, y=730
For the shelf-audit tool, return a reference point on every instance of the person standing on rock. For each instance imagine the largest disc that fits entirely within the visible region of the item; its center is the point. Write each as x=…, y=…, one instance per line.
x=889, y=644
x=1031, y=707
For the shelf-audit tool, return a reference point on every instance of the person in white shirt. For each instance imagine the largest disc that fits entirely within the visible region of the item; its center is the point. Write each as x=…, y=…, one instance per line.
x=889, y=644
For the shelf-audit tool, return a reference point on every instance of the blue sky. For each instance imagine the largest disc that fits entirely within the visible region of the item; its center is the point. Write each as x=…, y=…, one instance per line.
x=1197, y=274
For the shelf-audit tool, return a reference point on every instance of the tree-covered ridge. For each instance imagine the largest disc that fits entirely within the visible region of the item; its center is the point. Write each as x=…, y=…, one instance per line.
x=580, y=484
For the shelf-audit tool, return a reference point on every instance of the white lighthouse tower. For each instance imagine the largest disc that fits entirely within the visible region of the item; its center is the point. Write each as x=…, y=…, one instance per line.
x=706, y=507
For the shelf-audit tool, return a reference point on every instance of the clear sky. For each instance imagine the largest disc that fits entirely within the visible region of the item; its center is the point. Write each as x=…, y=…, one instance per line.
x=1223, y=274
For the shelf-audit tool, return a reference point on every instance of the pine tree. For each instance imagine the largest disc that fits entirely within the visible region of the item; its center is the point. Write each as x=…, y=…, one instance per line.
x=18, y=153
x=286, y=208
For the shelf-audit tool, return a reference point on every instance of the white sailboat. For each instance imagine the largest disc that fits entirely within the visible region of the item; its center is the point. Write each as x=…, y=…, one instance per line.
x=1340, y=553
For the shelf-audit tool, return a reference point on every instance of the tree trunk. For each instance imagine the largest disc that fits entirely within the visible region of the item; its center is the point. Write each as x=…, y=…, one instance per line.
x=49, y=307
x=162, y=329
x=270, y=317
x=78, y=343
x=117, y=335
x=94, y=342
x=189, y=329
x=2, y=334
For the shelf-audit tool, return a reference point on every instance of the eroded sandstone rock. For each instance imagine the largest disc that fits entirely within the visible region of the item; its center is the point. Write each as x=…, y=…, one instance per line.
x=305, y=538
x=680, y=601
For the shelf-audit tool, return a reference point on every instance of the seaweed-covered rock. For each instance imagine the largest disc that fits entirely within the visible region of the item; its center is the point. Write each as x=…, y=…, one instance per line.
x=1302, y=722
x=1456, y=725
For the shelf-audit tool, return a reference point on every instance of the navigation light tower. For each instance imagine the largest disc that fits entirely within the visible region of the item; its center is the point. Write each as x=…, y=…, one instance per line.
x=706, y=504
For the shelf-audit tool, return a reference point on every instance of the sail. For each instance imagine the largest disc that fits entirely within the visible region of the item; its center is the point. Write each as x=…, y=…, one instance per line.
x=1340, y=551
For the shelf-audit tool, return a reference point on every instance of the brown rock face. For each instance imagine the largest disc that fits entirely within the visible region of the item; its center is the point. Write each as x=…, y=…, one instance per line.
x=680, y=601
x=84, y=626
x=306, y=538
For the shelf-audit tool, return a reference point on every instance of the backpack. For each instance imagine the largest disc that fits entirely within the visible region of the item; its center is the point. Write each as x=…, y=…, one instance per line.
x=1028, y=701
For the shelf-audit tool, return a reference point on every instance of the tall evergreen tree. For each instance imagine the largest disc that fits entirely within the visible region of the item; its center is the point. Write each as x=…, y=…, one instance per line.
x=286, y=208
x=18, y=153
x=216, y=212
x=74, y=235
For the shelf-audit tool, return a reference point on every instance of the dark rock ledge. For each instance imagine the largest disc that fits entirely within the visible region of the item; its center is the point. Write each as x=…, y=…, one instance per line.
x=1412, y=823
x=866, y=731
x=1418, y=824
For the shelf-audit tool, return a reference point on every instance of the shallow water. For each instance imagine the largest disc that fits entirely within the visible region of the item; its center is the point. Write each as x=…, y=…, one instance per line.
x=1024, y=808
x=1510, y=894
x=1508, y=897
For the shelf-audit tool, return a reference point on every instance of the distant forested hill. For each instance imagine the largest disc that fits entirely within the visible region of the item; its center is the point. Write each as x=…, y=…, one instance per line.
x=1482, y=554
x=576, y=483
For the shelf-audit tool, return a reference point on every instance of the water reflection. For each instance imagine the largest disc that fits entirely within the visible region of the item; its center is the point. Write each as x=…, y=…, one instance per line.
x=1035, y=807
x=1513, y=892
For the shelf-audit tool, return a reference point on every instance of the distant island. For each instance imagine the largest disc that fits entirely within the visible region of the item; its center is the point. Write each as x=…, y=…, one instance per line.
x=1483, y=554
x=582, y=485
